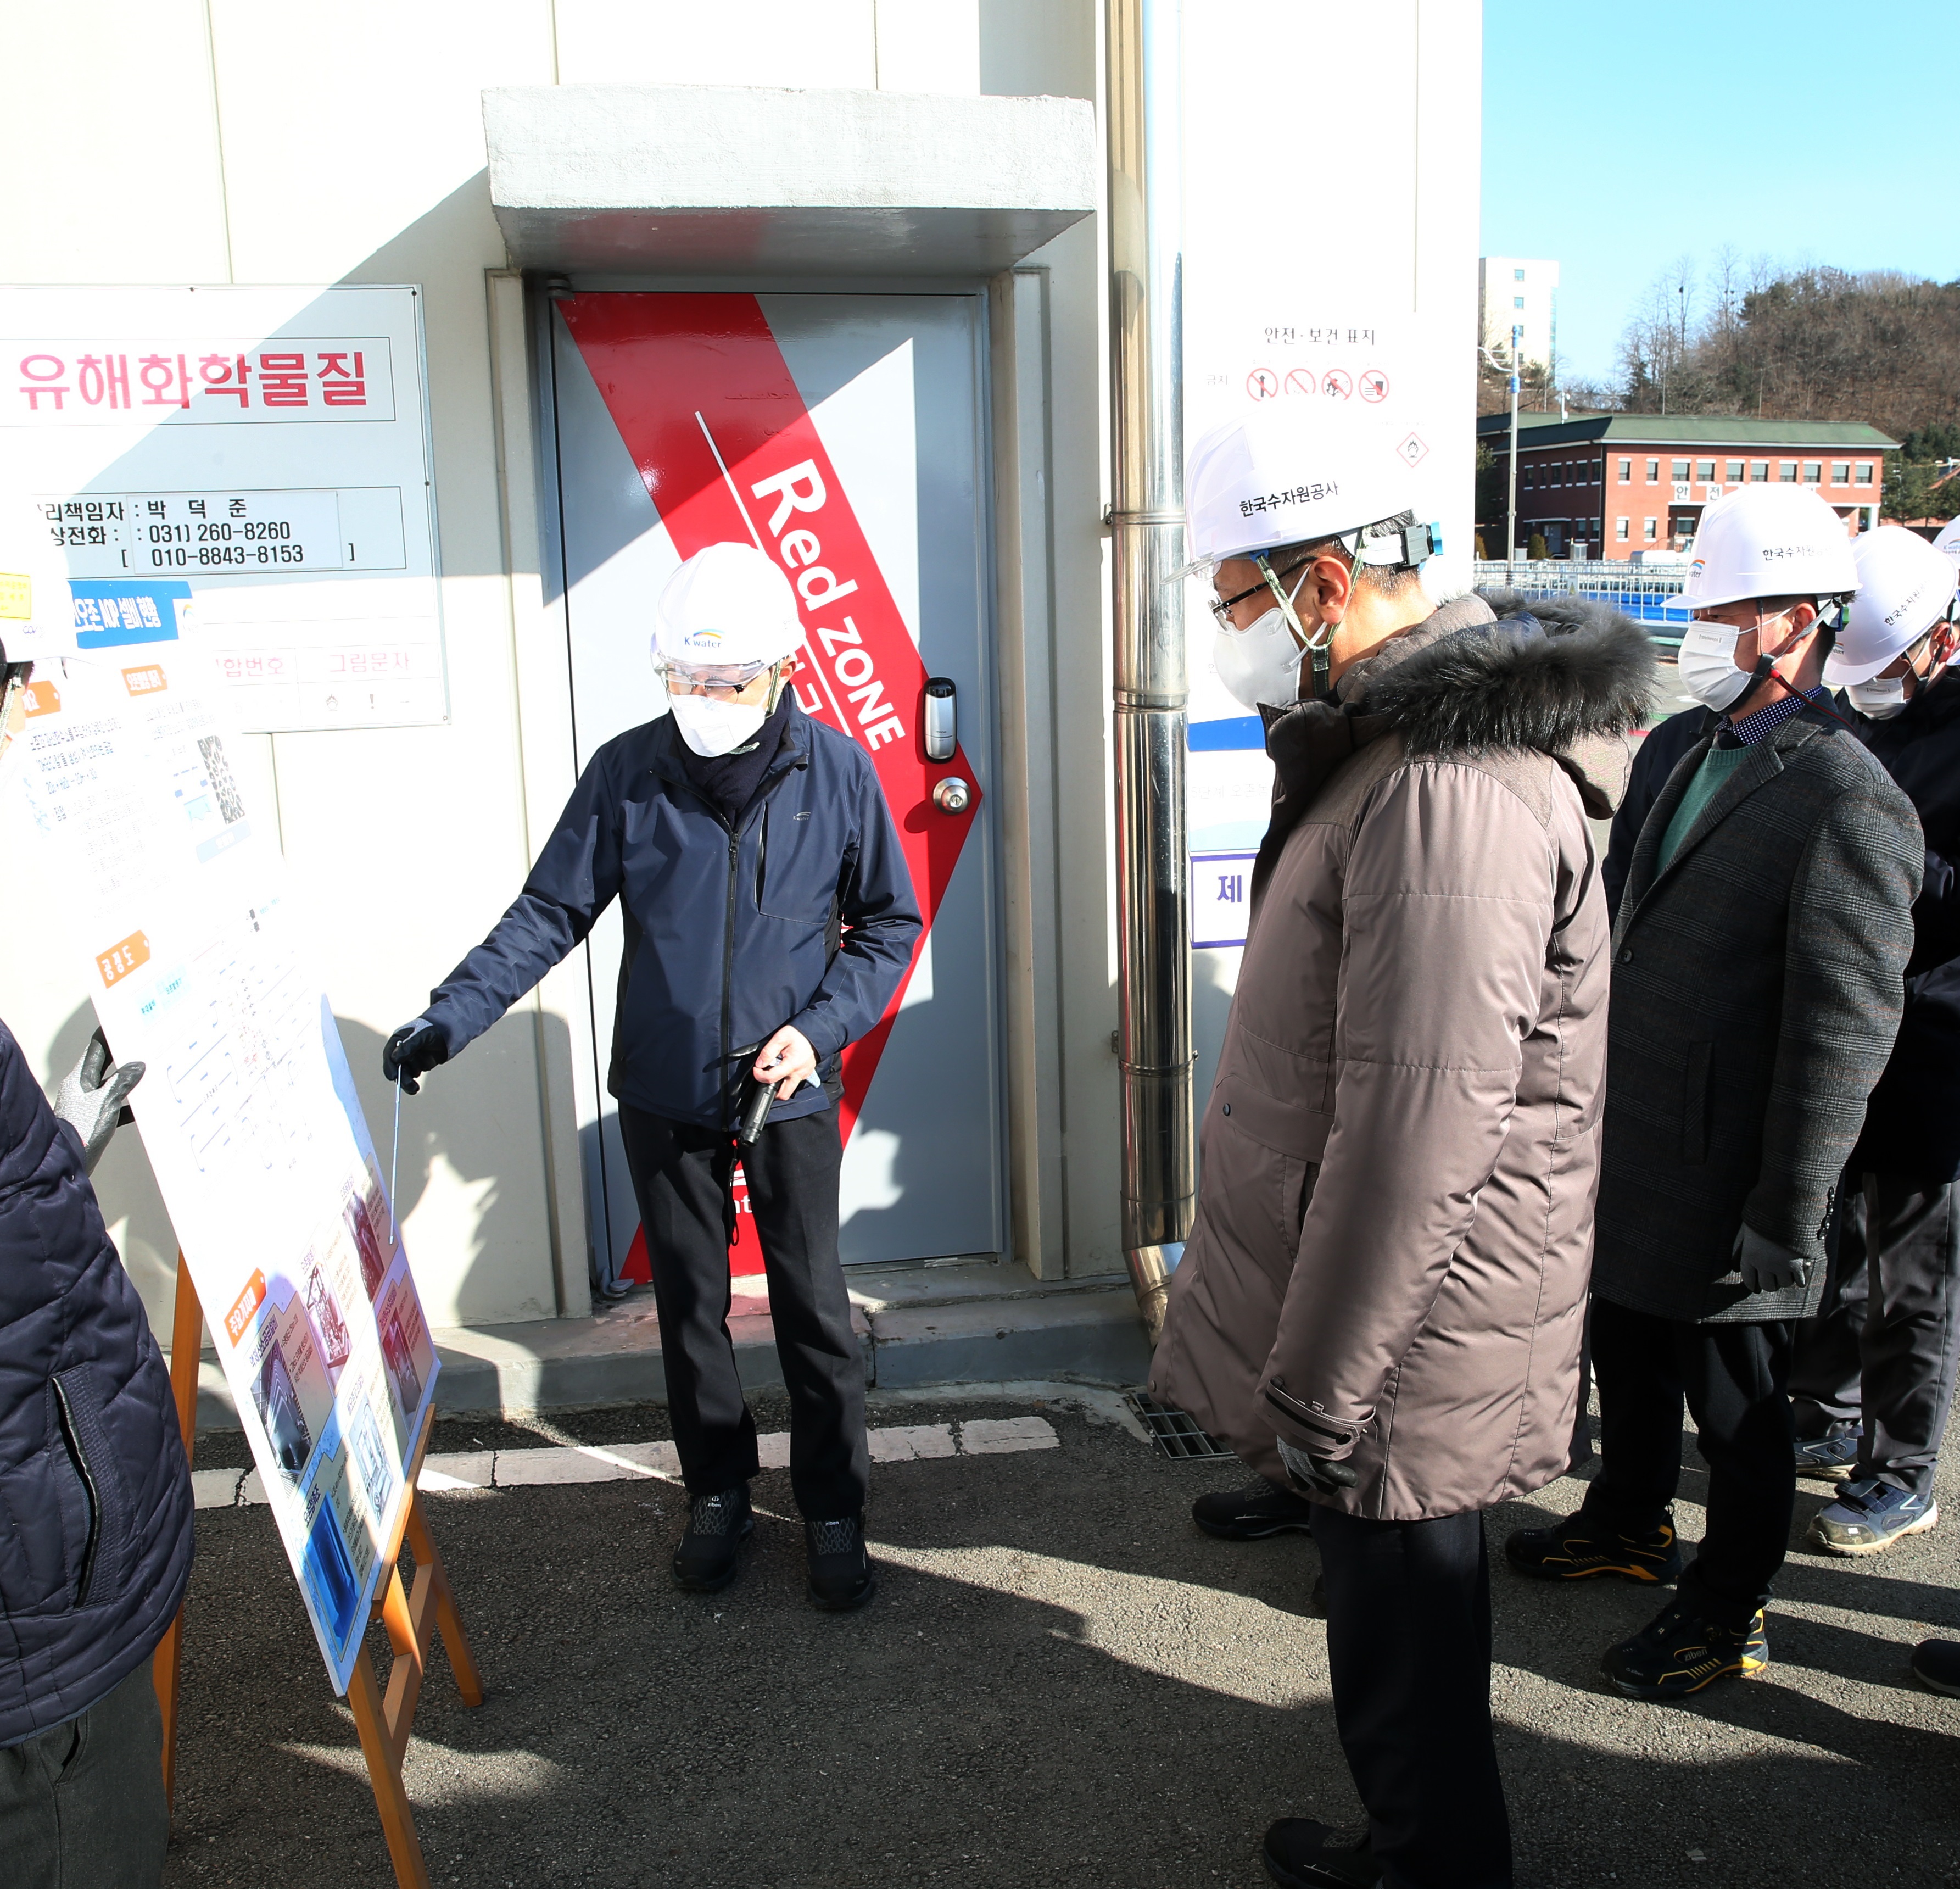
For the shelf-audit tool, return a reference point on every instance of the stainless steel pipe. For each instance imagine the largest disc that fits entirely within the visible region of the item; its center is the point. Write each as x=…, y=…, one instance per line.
x=1147, y=519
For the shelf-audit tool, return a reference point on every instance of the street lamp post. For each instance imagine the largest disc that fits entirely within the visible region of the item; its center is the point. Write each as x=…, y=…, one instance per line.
x=1511, y=526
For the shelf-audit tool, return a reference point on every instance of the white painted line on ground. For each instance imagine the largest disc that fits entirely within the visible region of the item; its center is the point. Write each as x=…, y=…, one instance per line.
x=559, y=1465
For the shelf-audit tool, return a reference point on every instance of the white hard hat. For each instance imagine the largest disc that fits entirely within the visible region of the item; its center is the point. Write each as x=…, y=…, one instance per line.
x=1948, y=539
x=727, y=605
x=1904, y=587
x=1780, y=541
x=1295, y=473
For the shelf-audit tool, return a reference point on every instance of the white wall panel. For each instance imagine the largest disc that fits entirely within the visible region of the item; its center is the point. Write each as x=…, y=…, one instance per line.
x=799, y=42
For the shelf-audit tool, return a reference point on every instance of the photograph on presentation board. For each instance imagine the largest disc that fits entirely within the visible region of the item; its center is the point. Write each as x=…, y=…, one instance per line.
x=198, y=959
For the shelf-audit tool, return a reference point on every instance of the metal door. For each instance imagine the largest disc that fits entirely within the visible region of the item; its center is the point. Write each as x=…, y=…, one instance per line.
x=854, y=420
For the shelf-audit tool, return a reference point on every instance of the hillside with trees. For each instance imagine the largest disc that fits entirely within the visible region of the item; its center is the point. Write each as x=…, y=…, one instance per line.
x=1794, y=344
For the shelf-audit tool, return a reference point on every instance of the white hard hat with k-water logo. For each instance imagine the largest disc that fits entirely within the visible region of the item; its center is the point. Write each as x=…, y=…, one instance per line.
x=1905, y=586
x=1777, y=542
x=728, y=607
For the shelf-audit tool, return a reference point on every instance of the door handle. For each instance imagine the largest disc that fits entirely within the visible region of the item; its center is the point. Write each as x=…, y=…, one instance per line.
x=942, y=718
x=953, y=796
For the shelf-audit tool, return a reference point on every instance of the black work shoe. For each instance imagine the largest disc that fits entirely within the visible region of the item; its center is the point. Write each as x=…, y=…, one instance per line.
x=717, y=1527
x=1678, y=1652
x=840, y=1571
x=1253, y=1514
x=1935, y=1665
x=1576, y=1549
x=1299, y=1851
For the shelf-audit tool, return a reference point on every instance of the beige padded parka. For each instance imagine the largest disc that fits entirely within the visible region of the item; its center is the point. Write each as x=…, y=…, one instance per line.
x=1400, y=1151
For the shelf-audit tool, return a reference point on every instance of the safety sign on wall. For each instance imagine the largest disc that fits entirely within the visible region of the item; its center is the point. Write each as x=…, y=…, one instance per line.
x=200, y=966
x=266, y=448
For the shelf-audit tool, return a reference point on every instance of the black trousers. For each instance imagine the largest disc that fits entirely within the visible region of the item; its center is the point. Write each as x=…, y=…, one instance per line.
x=82, y=1807
x=681, y=1176
x=1883, y=1347
x=1734, y=1379
x=1408, y=1649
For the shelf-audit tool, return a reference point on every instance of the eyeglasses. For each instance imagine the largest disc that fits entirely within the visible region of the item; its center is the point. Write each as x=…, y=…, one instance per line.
x=721, y=682
x=1222, y=607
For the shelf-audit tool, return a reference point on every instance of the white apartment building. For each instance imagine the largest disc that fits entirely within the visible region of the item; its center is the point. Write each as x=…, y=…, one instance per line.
x=1519, y=291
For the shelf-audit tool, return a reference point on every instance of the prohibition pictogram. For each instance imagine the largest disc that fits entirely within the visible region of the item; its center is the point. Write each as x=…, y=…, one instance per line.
x=1262, y=384
x=1337, y=383
x=1301, y=381
x=1374, y=385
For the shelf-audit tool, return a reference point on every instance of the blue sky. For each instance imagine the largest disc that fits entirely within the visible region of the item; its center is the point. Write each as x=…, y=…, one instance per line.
x=1618, y=137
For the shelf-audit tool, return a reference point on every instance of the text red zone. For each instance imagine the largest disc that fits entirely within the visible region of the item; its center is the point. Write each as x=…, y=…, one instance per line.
x=684, y=376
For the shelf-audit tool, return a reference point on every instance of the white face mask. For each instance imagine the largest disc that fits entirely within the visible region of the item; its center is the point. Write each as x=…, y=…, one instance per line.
x=1707, y=664
x=1260, y=663
x=1880, y=697
x=712, y=728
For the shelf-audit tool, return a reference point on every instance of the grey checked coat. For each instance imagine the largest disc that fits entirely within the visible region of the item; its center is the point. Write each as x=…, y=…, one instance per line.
x=1756, y=987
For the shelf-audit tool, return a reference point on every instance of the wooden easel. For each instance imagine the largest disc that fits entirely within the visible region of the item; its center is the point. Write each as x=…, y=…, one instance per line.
x=413, y=1616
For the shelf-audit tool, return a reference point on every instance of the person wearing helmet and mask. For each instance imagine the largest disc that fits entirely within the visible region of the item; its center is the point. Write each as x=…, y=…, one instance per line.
x=1378, y=1307
x=93, y=1483
x=1873, y=1377
x=769, y=915
x=1758, y=959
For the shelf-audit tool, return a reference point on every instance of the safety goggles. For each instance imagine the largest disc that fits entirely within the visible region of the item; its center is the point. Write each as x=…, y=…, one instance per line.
x=720, y=682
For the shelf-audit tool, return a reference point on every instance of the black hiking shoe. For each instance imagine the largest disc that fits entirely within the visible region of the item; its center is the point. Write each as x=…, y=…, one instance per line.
x=1935, y=1665
x=717, y=1527
x=1300, y=1853
x=1576, y=1549
x=1679, y=1652
x=840, y=1571
x=1254, y=1513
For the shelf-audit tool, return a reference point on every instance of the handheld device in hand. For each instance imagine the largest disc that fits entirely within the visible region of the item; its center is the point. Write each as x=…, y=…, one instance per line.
x=755, y=1111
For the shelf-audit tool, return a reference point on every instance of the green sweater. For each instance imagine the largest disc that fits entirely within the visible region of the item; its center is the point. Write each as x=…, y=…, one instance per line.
x=1717, y=765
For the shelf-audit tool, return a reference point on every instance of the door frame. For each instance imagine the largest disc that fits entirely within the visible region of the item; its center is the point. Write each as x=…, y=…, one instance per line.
x=1017, y=582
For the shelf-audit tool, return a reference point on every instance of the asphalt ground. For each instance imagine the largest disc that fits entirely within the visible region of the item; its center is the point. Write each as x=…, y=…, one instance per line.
x=1061, y=1681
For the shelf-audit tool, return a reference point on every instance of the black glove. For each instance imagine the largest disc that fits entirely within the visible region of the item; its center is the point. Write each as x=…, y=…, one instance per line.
x=91, y=1096
x=1767, y=1267
x=1313, y=1475
x=412, y=1051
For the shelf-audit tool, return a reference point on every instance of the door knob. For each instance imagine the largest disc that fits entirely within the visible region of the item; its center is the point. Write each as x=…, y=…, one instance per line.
x=952, y=795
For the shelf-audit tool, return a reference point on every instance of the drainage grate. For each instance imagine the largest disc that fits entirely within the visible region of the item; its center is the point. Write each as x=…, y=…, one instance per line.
x=1172, y=1434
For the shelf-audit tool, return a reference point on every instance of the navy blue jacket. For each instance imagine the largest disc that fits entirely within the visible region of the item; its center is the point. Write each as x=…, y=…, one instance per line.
x=95, y=1501
x=803, y=913
x=1912, y=1124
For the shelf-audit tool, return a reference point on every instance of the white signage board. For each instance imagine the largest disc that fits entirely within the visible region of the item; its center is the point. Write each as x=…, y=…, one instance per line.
x=265, y=450
x=202, y=968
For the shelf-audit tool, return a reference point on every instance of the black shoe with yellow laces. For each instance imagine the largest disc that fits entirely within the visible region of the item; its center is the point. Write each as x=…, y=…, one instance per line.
x=1576, y=1549
x=1681, y=1650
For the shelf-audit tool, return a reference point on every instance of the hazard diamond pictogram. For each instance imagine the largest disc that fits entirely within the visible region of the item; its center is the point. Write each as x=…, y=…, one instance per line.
x=1411, y=451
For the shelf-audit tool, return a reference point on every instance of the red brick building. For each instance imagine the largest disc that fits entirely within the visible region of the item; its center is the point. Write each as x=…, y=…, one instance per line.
x=1618, y=483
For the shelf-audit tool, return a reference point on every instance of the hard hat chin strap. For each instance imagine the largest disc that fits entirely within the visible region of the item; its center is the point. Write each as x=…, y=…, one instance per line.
x=1314, y=645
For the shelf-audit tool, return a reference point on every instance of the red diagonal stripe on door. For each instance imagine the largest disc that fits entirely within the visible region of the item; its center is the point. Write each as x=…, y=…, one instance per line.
x=705, y=404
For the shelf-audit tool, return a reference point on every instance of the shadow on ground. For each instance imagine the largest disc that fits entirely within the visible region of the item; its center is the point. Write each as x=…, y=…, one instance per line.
x=1061, y=1682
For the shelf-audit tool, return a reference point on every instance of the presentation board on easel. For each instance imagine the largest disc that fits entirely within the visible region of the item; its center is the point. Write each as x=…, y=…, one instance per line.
x=198, y=960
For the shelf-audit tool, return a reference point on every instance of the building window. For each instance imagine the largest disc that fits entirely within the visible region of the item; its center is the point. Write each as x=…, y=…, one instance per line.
x=1653, y=472
x=1813, y=472
x=1734, y=472
x=1787, y=472
x=1759, y=469
x=1649, y=528
x=1840, y=474
x=1517, y=275
x=1517, y=302
x=1864, y=474
x=1680, y=470
x=1626, y=472
x=1531, y=476
x=1620, y=529
x=1704, y=470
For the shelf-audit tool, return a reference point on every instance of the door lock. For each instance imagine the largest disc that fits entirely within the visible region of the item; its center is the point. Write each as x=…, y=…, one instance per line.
x=942, y=718
x=953, y=796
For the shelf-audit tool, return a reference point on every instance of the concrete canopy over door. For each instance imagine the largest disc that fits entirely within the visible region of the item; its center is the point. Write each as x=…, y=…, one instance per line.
x=746, y=180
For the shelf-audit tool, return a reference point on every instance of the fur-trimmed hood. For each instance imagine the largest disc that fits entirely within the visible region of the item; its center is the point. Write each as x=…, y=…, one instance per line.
x=1490, y=671
x=1541, y=674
